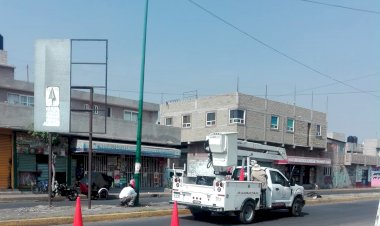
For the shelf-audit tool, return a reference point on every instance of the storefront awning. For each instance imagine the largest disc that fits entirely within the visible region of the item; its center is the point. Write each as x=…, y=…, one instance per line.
x=81, y=146
x=299, y=160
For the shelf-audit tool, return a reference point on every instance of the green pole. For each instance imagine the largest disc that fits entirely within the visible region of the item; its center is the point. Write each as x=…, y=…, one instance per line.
x=141, y=101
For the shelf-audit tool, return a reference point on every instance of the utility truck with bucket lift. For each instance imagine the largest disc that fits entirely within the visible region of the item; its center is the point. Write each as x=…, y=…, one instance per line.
x=223, y=193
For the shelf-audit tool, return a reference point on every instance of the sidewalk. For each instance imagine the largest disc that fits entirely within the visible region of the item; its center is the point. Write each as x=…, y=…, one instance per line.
x=45, y=215
x=6, y=196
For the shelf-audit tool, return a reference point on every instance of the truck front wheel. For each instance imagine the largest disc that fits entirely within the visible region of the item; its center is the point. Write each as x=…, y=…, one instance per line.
x=199, y=214
x=296, y=208
x=247, y=213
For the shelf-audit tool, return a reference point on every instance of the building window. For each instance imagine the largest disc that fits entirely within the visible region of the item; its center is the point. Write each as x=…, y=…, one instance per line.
x=14, y=98
x=130, y=116
x=186, y=121
x=274, y=122
x=31, y=100
x=23, y=100
x=327, y=171
x=210, y=118
x=96, y=109
x=237, y=116
x=169, y=121
x=108, y=112
x=290, y=125
x=318, y=130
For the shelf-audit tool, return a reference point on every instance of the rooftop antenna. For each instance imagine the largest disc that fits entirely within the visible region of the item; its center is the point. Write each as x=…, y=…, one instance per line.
x=237, y=84
x=27, y=72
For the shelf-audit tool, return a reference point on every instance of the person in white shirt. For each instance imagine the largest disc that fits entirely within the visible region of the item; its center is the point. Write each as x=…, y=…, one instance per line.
x=128, y=195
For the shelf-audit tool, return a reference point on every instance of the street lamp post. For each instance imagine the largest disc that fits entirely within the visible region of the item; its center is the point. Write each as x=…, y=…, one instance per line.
x=141, y=101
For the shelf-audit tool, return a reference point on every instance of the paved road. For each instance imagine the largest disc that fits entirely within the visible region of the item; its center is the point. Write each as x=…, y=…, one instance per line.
x=42, y=214
x=347, y=214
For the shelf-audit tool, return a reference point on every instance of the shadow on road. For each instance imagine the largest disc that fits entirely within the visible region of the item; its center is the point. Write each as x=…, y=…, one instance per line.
x=261, y=216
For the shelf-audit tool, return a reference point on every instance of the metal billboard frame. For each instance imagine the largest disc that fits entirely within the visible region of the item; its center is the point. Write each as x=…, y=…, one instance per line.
x=91, y=109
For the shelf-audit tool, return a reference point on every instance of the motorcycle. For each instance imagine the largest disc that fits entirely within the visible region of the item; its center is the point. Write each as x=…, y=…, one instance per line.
x=63, y=190
x=101, y=183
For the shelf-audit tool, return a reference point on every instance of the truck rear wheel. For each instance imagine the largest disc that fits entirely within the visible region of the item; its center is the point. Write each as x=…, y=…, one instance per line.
x=247, y=213
x=296, y=208
x=199, y=214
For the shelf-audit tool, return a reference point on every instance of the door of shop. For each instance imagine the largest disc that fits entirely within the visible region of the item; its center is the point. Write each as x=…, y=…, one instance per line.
x=5, y=161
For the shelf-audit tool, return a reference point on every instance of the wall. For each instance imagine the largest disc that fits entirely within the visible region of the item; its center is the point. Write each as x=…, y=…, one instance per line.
x=257, y=120
x=197, y=108
x=22, y=117
x=6, y=72
x=370, y=146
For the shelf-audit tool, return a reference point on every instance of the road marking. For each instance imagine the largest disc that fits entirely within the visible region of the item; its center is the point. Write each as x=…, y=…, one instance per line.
x=377, y=222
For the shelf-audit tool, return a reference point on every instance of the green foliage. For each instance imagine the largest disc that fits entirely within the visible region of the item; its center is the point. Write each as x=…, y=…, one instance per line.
x=44, y=136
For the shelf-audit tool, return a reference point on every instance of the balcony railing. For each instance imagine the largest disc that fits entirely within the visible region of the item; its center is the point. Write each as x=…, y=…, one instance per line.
x=350, y=159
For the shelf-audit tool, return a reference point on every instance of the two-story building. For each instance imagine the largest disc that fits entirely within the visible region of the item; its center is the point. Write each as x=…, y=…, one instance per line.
x=24, y=157
x=301, y=131
x=353, y=164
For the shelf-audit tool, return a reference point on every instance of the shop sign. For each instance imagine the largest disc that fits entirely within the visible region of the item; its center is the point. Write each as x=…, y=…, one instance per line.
x=118, y=148
x=27, y=144
x=375, y=179
x=305, y=161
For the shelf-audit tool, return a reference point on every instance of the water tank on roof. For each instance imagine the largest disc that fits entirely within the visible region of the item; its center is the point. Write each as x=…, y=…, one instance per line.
x=352, y=139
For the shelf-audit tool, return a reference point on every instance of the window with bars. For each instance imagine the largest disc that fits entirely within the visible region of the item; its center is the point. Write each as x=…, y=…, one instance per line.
x=327, y=171
x=318, y=132
x=168, y=121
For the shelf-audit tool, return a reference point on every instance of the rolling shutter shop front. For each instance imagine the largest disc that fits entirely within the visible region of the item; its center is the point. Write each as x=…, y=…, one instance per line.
x=5, y=160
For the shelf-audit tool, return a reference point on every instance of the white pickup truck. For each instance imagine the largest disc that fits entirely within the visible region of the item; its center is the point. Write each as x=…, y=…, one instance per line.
x=204, y=195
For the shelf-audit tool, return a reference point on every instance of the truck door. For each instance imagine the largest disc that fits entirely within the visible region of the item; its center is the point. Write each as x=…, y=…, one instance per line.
x=280, y=188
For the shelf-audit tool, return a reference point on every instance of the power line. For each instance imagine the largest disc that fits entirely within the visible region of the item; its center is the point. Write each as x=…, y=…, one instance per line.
x=276, y=50
x=334, y=83
x=257, y=95
x=341, y=6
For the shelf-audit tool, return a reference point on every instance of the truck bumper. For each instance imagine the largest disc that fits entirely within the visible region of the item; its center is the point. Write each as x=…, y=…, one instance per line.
x=196, y=206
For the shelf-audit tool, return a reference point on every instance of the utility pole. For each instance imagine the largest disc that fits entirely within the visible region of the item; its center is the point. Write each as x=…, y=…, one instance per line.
x=141, y=101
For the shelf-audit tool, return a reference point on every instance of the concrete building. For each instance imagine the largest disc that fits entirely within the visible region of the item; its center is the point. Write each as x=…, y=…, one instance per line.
x=23, y=157
x=353, y=164
x=302, y=132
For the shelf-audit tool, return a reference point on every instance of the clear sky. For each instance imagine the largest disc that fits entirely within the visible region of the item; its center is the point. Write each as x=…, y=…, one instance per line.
x=284, y=45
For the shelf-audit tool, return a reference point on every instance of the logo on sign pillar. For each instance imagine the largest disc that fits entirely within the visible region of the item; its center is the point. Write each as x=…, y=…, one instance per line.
x=52, y=107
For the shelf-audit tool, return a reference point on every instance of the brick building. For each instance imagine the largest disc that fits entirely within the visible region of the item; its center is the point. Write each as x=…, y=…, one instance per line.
x=302, y=132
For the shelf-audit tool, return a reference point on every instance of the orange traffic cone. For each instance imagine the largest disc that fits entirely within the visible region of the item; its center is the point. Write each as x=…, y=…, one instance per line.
x=241, y=176
x=78, y=214
x=175, y=221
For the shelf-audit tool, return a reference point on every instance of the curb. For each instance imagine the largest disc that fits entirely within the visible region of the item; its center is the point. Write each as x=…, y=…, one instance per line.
x=341, y=199
x=11, y=198
x=91, y=218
